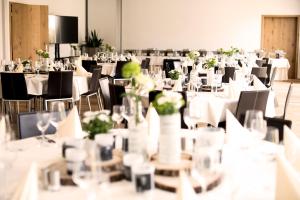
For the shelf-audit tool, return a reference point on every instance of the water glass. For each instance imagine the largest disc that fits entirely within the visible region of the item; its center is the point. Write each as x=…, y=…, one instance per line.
x=43, y=122
x=272, y=135
x=256, y=124
x=57, y=113
x=118, y=113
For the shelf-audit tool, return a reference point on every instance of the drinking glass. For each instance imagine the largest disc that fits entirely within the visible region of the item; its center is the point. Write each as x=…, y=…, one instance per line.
x=191, y=117
x=249, y=78
x=37, y=67
x=11, y=66
x=57, y=113
x=43, y=121
x=118, y=112
x=272, y=134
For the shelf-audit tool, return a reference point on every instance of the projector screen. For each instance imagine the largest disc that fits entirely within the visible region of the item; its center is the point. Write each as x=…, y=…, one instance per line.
x=193, y=24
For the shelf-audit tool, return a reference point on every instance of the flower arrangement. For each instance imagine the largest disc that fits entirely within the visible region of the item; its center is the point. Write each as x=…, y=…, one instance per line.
x=108, y=48
x=42, y=53
x=96, y=123
x=229, y=52
x=210, y=63
x=193, y=55
x=174, y=74
x=140, y=84
x=25, y=62
x=168, y=102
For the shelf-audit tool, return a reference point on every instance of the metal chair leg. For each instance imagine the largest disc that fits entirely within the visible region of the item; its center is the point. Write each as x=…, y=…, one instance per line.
x=79, y=106
x=46, y=107
x=29, y=106
x=89, y=103
x=98, y=101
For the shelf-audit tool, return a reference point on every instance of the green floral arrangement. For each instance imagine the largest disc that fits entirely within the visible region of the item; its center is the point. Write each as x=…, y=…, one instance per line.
x=96, y=123
x=42, y=53
x=174, y=74
x=108, y=48
x=94, y=40
x=168, y=102
x=25, y=62
x=193, y=55
x=229, y=52
x=210, y=63
x=140, y=84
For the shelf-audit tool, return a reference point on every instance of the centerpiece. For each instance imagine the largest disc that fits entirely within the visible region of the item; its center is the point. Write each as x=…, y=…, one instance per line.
x=167, y=105
x=43, y=58
x=209, y=65
x=140, y=86
x=175, y=76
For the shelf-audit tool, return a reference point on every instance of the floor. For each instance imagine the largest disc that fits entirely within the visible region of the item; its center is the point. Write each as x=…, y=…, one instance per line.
x=280, y=88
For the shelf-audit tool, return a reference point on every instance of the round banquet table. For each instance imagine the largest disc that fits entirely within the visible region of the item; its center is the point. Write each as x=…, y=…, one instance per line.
x=248, y=174
x=282, y=65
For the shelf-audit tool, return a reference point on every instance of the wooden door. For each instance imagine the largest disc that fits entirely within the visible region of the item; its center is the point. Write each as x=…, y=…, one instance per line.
x=280, y=32
x=29, y=30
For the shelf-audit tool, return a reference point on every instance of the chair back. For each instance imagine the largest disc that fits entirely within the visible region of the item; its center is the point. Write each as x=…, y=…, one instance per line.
x=94, y=83
x=168, y=65
x=145, y=63
x=119, y=66
x=251, y=100
x=269, y=69
x=260, y=73
x=60, y=84
x=152, y=95
x=287, y=99
x=89, y=65
x=27, y=125
x=259, y=63
x=229, y=73
x=13, y=86
x=105, y=94
x=116, y=92
x=279, y=124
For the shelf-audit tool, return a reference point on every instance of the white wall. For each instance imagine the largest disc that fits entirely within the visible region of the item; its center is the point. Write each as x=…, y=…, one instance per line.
x=56, y=7
x=1, y=30
x=198, y=24
x=103, y=17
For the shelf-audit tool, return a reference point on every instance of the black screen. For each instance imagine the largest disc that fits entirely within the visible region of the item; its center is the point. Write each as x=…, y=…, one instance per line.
x=63, y=29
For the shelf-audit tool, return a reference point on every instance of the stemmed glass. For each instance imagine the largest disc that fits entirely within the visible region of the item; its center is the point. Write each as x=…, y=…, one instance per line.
x=128, y=108
x=11, y=66
x=191, y=117
x=256, y=124
x=118, y=113
x=249, y=78
x=43, y=122
x=57, y=113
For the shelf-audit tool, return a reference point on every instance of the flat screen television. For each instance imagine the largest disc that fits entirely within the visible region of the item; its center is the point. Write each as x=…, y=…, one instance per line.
x=63, y=29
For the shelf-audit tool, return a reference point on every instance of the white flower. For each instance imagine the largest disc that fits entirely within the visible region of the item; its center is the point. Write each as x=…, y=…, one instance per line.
x=87, y=120
x=162, y=100
x=103, y=117
x=90, y=113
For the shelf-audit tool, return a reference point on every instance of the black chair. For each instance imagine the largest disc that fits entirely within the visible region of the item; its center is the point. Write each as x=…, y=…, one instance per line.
x=272, y=79
x=145, y=63
x=27, y=125
x=259, y=63
x=265, y=61
x=14, y=89
x=260, y=73
x=60, y=86
x=93, y=89
x=251, y=100
x=279, y=123
x=229, y=73
x=168, y=65
x=152, y=95
x=116, y=92
x=269, y=69
x=105, y=94
x=119, y=66
x=89, y=65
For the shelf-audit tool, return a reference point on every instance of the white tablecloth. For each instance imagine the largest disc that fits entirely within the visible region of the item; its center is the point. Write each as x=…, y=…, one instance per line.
x=248, y=174
x=37, y=85
x=282, y=65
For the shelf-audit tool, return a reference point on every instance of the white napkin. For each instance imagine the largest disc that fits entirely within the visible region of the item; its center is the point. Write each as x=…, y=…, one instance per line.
x=234, y=89
x=178, y=85
x=80, y=71
x=134, y=59
x=2, y=129
x=292, y=148
x=258, y=85
x=19, y=68
x=28, y=188
x=287, y=179
x=71, y=126
x=153, y=129
x=185, y=191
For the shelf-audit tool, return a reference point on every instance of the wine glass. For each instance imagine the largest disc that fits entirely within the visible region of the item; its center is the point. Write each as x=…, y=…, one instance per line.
x=43, y=122
x=57, y=113
x=255, y=123
x=37, y=67
x=272, y=134
x=11, y=66
x=128, y=108
x=191, y=117
x=249, y=78
x=118, y=112
x=187, y=120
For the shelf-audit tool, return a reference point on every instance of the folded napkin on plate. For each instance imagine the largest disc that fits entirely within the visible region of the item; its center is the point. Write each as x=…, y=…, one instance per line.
x=28, y=187
x=292, y=148
x=19, y=68
x=178, y=85
x=71, y=126
x=185, y=191
x=258, y=85
x=80, y=71
x=153, y=129
x=287, y=179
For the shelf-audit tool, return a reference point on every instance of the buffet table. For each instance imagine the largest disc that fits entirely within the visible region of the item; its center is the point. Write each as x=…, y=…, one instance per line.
x=248, y=174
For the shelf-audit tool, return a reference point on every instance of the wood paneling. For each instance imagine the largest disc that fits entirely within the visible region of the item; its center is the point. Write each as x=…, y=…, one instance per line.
x=280, y=32
x=29, y=30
